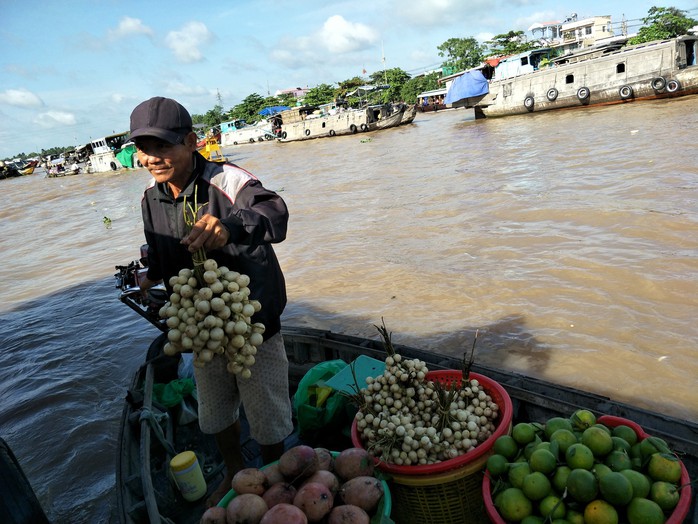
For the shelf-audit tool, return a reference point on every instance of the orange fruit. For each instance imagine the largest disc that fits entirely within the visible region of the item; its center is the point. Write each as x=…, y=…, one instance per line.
x=582, y=419
x=555, y=423
x=536, y=486
x=552, y=506
x=664, y=466
x=507, y=446
x=644, y=511
x=517, y=473
x=542, y=460
x=640, y=482
x=626, y=433
x=618, y=461
x=665, y=494
x=559, y=480
x=497, y=465
x=523, y=433
x=600, y=512
x=564, y=437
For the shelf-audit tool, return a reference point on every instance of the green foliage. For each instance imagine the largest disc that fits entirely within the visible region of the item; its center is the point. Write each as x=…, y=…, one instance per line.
x=511, y=43
x=248, y=109
x=462, y=53
x=321, y=94
x=419, y=84
x=661, y=23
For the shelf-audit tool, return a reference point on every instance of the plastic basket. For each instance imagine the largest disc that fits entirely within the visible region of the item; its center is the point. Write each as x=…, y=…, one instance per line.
x=678, y=515
x=448, y=492
x=384, y=506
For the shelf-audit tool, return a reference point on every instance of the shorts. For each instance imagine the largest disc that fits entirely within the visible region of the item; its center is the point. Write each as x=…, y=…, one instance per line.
x=265, y=395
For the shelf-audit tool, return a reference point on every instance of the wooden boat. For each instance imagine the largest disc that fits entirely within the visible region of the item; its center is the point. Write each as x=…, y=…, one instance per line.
x=610, y=74
x=145, y=492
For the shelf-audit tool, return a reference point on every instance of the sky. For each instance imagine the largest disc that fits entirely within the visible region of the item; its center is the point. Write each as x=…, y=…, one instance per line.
x=72, y=70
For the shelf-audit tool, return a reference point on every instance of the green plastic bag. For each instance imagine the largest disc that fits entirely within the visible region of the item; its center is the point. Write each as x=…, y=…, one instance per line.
x=172, y=393
x=317, y=405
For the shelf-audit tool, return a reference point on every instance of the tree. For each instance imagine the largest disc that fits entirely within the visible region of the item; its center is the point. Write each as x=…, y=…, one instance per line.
x=661, y=23
x=419, y=84
x=321, y=94
x=462, y=53
x=248, y=109
x=511, y=43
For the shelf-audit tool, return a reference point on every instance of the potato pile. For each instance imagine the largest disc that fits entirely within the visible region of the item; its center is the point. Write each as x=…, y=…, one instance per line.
x=405, y=419
x=213, y=319
x=306, y=485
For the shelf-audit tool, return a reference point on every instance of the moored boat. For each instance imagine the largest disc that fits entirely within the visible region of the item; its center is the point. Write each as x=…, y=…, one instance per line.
x=240, y=132
x=150, y=433
x=610, y=74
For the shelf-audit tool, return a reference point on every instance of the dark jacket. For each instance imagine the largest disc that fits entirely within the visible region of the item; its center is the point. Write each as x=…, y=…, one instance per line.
x=255, y=217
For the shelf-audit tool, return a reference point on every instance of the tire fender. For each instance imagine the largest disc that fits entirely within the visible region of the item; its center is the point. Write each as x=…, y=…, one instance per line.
x=658, y=83
x=284, y=135
x=113, y=166
x=332, y=132
x=364, y=127
x=307, y=132
x=672, y=86
x=583, y=93
x=352, y=128
x=551, y=95
x=529, y=103
x=625, y=92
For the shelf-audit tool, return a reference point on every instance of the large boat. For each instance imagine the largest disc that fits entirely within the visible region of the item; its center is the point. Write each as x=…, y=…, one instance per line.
x=240, y=132
x=308, y=122
x=151, y=433
x=111, y=153
x=614, y=73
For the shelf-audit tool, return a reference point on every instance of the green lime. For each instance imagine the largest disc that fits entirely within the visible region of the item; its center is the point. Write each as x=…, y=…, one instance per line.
x=582, y=485
x=497, y=465
x=513, y=505
x=531, y=447
x=620, y=444
x=600, y=512
x=665, y=494
x=564, y=437
x=652, y=445
x=559, y=480
x=626, y=433
x=517, y=473
x=604, y=428
x=536, y=486
x=574, y=517
x=616, y=488
x=555, y=423
x=542, y=460
x=507, y=446
x=644, y=511
x=579, y=456
x=640, y=482
x=618, y=461
x=598, y=440
x=664, y=466
x=533, y=519
x=523, y=433
x=582, y=419
x=552, y=506
x=600, y=470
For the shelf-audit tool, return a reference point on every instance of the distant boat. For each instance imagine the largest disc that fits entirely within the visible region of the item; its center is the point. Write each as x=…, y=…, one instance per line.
x=28, y=168
x=611, y=74
x=240, y=132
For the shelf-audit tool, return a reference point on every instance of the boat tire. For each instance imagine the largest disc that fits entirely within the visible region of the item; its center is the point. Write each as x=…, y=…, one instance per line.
x=529, y=103
x=364, y=127
x=307, y=132
x=332, y=132
x=113, y=166
x=551, y=95
x=625, y=92
x=672, y=86
x=260, y=139
x=251, y=140
x=138, y=163
x=235, y=143
x=583, y=93
x=352, y=128
x=658, y=83
x=284, y=135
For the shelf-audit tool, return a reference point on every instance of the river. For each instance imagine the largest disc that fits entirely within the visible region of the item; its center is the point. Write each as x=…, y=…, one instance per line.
x=567, y=240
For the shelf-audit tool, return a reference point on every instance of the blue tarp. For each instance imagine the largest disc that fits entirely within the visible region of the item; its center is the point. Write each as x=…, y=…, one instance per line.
x=469, y=84
x=268, y=111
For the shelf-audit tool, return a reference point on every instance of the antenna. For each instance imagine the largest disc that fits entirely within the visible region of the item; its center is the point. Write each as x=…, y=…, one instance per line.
x=385, y=75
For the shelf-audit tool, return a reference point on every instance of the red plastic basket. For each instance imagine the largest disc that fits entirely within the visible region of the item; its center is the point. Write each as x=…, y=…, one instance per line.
x=502, y=427
x=680, y=511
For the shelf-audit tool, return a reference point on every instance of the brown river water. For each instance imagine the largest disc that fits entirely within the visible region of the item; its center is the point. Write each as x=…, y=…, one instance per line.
x=568, y=241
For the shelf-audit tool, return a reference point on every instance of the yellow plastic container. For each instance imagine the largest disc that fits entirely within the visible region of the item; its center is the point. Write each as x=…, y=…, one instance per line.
x=188, y=475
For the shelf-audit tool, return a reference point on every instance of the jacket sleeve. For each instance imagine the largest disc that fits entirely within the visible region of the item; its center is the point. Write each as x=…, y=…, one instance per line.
x=154, y=272
x=258, y=216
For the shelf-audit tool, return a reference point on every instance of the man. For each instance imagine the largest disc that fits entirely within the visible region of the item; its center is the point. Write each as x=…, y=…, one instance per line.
x=237, y=225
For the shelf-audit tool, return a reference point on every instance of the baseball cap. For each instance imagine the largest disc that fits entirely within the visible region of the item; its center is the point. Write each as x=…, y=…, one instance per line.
x=162, y=118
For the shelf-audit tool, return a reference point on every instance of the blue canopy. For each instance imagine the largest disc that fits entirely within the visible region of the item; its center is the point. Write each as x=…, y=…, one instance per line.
x=469, y=84
x=268, y=111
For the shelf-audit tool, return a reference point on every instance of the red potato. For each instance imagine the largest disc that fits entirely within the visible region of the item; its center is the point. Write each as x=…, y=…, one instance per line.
x=364, y=492
x=298, y=462
x=250, y=480
x=273, y=474
x=315, y=500
x=348, y=514
x=281, y=492
x=353, y=462
x=214, y=515
x=284, y=514
x=325, y=458
x=327, y=478
x=247, y=508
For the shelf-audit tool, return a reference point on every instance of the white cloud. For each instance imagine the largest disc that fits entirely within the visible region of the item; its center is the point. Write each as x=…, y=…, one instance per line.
x=177, y=88
x=341, y=36
x=20, y=98
x=129, y=27
x=55, y=119
x=185, y=42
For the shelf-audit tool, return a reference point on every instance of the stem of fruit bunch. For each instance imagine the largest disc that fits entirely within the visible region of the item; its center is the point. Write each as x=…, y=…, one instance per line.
x=191, y=215
x=468, y=362
x=387, y=337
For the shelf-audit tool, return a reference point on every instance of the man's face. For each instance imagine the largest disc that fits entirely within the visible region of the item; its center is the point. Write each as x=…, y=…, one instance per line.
x=171, y=163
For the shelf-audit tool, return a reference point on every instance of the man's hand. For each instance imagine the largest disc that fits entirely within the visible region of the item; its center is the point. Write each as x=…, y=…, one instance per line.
x=208, y=233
